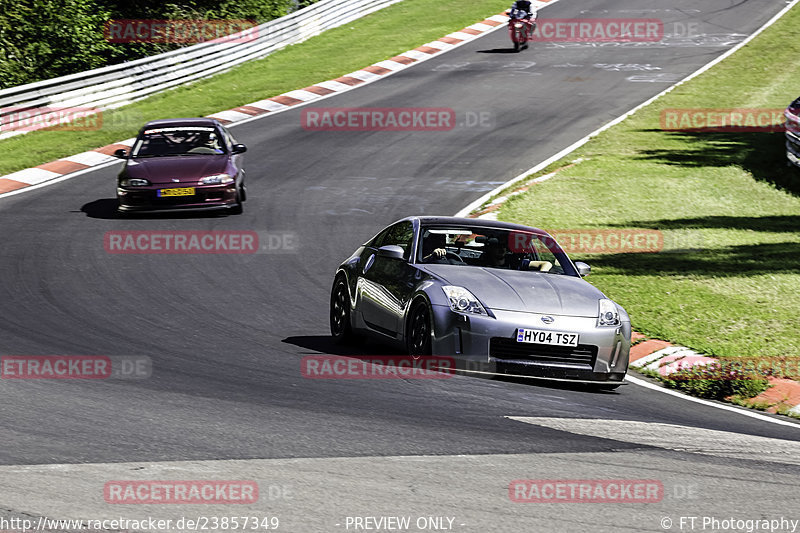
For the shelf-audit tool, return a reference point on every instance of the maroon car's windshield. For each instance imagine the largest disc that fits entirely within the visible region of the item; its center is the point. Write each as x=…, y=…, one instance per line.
x=176, y=141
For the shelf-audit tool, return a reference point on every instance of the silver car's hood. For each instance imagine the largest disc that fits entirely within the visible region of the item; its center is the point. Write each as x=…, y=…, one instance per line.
x=514, y=290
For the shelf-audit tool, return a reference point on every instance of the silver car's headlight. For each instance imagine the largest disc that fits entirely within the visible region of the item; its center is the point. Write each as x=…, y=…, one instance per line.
x=133, y=182
x=216, y=179
x=463, y=301
x=608, y=314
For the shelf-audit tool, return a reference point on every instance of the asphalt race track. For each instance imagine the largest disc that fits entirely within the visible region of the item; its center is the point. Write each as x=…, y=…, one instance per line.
x=226, y=332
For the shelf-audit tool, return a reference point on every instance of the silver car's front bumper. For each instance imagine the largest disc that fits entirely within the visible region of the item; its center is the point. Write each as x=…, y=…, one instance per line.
x=486, y=344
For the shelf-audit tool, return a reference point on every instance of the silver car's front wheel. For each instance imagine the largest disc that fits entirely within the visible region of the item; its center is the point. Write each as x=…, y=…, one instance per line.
x=340, y=311
x=419, y=331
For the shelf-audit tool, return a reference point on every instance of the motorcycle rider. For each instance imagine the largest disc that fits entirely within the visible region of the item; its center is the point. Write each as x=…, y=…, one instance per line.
x=522, y=7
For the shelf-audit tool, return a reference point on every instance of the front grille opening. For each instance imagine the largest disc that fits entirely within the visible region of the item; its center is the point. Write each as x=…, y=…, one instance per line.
x=506, y=349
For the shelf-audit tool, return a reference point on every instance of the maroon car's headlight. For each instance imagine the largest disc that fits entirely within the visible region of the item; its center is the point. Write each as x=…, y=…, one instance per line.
x=216, y=179
x=133, y=182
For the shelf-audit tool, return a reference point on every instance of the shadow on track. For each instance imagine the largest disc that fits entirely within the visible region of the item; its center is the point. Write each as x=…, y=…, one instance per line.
x=498, y=51
x=106, y=208
x=324, y=344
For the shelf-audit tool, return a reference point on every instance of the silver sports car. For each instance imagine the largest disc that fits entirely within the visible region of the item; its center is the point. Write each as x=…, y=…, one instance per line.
x=497, y=297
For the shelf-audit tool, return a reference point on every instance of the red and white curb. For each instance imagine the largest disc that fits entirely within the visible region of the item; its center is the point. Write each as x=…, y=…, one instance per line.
x=666, y=358
x=99, y=157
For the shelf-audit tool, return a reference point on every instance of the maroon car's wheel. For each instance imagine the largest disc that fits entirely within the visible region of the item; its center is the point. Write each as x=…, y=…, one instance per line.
x=419, y=331
x=238, y=208
x=340, y=312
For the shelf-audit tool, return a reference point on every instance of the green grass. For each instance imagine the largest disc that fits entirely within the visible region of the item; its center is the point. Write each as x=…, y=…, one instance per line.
x=729, y=196
x=378, y=36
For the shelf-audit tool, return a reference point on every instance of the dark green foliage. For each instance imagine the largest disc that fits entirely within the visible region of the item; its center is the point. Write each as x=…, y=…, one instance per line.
x=717, y=382
x=46, y=38
x=41, y=39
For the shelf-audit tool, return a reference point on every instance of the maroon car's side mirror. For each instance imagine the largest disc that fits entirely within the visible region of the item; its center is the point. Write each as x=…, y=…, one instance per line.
x=122, y=153
x=239, y=148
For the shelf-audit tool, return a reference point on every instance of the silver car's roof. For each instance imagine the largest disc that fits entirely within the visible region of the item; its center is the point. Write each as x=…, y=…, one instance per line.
x=484, y=223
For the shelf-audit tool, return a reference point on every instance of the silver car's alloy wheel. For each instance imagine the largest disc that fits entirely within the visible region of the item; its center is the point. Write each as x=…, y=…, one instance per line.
x=419, y=333
x=340, y=311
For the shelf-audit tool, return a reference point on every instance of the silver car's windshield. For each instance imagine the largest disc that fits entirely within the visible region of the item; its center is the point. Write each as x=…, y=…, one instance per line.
x=177, y=141
x=492, y=248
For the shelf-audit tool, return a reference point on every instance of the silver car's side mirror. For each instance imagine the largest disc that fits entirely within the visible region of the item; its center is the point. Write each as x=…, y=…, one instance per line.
x=392, y=251
x=583, y=268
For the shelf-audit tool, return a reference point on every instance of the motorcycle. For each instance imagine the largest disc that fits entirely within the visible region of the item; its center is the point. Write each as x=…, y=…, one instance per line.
x=521, y=29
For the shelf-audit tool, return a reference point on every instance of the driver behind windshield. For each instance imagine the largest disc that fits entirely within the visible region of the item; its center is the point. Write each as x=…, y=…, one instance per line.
x=209, y=141
x=433, y=248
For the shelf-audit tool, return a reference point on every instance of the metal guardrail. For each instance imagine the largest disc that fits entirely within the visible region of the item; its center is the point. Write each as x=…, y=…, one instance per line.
x=118, y=85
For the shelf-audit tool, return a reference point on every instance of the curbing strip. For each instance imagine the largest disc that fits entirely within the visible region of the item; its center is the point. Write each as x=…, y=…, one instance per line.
x=783, y=393
x=77, y=164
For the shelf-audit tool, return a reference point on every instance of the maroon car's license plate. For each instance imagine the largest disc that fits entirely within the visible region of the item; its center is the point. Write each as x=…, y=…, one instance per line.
x=554, y=338
x=178, y=191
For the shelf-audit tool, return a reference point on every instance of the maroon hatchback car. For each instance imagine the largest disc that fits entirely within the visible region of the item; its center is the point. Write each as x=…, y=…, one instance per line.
x=182, y=163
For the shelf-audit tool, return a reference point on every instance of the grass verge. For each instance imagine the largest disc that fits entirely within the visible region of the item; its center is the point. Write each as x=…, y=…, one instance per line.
x=726, y=283
x=373, y=38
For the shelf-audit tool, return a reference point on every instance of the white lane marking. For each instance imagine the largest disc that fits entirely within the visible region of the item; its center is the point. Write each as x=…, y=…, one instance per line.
x=577, y=144
x=333, y=85
x=229, y=115
x=301, y=94
x=460, y=35
x=127, y=142
x=441, y=45
x=681, y=352
x=391, y=65
x=363, y=75
x=679, y=438
x=739, y=410
x=663, y=77
x=480, y=26
x=416, y=54
x=269, y=105
x=31, y=176
x=59, y=179
x=89, y=158
x=502, y=18
x=658, y=354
